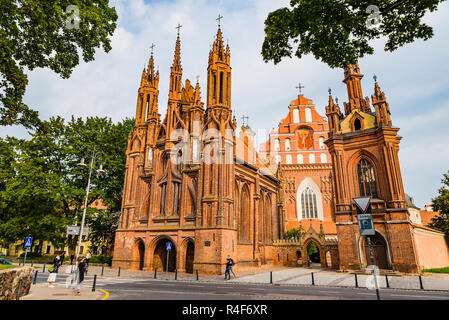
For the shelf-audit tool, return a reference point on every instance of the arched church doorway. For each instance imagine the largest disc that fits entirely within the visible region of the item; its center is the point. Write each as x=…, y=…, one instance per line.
x=141, y=255
x=160, y=256
x=313, y=252
x=379, y=247
x=190, y=254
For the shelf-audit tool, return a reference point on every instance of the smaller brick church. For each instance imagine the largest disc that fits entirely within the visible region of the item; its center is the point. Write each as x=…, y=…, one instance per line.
x=191, y=181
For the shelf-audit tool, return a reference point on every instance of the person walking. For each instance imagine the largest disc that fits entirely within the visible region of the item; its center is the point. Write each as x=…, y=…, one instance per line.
x=53, y=269
x=232, y=264
x=79, y=276
x=72, y=257
x=228, y=268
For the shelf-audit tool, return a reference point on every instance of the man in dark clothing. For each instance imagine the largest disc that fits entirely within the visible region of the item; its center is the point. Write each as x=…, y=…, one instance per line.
x=229, y=263
x=72, y=257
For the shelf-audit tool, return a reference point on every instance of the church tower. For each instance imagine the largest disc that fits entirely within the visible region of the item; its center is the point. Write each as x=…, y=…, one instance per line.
x=216, y=237
x=140, y=144
x=364, y=146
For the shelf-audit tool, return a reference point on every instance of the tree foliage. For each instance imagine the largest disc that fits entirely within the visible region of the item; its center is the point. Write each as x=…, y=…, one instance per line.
x=339, y=32
x=42, y=190
x=441, y=204
x=46, y=34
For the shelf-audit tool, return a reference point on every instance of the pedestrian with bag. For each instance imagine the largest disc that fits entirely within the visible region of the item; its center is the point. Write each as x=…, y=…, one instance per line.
x=53, y=269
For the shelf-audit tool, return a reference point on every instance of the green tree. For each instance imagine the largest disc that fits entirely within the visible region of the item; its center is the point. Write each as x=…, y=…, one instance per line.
x=293, y=233
x=42, y=190
x=46, y=34
x=339, y=32
x=441, y=204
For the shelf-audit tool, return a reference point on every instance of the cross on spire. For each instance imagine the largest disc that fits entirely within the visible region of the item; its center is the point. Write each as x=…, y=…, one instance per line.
x=375, y=78
x=245, y=118
x=219, y=19
x=179, y=28
x=300, y=87
x=152, y=47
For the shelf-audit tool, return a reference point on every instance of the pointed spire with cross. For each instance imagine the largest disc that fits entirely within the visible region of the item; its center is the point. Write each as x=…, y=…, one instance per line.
x=179, y=28
x=245, y=122
x=375, y=78
x=300, y=87
x=330, y=91
x=152, y=48
x=219, y=20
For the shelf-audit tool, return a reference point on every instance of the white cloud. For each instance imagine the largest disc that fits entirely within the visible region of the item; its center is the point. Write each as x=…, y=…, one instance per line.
x=414, y=77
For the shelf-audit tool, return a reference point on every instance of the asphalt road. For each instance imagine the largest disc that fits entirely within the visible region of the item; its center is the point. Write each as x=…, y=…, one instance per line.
x=150, y=289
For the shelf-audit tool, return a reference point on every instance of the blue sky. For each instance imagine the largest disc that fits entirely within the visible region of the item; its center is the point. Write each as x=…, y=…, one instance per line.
x=415, y=78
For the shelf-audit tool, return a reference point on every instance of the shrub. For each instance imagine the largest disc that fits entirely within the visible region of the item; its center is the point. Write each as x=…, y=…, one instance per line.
x=101, y=259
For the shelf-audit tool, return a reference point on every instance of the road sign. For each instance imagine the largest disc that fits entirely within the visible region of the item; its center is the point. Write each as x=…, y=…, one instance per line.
x=362, y=203
x=28, y=242
x=366, y=225
x=75, y=230
x=169, y=245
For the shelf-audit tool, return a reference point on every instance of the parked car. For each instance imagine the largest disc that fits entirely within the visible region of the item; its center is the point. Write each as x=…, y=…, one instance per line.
x=4, y=262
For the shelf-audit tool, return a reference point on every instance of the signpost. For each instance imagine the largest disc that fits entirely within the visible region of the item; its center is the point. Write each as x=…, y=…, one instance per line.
x=168, y=247
x=366, y=226
x=27, y=245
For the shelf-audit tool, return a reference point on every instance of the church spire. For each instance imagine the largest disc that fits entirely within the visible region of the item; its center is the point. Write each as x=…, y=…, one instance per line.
x=352, y=80
x=381, y=106
x=219, y=73
x=176, y=71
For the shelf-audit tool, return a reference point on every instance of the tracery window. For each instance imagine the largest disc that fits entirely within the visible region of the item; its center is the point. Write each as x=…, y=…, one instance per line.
x=367, y=179
x=309, y=204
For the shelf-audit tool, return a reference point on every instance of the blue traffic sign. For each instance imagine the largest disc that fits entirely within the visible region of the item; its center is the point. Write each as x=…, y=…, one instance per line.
x=28, y=242
x=169, y=246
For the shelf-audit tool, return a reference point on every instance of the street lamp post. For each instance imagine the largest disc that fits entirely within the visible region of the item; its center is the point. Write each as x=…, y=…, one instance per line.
x=100, y=171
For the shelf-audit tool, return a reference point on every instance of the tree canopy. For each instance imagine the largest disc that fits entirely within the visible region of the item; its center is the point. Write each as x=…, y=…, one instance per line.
x=441, y=204
x=339, y=32
x=46, y=34
x=42, y=190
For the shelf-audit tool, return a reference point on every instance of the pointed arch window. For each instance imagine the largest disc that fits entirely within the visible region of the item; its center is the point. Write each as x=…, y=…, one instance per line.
x=309, y=204
x=367, y=179
x=289, y=159
x=300, y=159
x=163, y=203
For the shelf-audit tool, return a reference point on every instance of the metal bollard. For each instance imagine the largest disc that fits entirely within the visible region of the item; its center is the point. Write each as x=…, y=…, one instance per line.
x=176, y=274
x=118, y=272
x=420, y=283
x=102, y=270
x=43, y=269
x=387, y=282
x=35, y=276
x=95, y=282
x=271, y=277
x=196, y=275
x=155, y=273
x=356, y=280
x=18, y=290
x=313, y=280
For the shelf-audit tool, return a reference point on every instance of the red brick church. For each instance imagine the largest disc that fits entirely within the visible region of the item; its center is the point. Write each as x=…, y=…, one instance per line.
x=190, y=180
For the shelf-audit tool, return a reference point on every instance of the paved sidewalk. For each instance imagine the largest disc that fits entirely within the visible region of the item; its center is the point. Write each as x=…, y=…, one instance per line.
x=42, y=291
